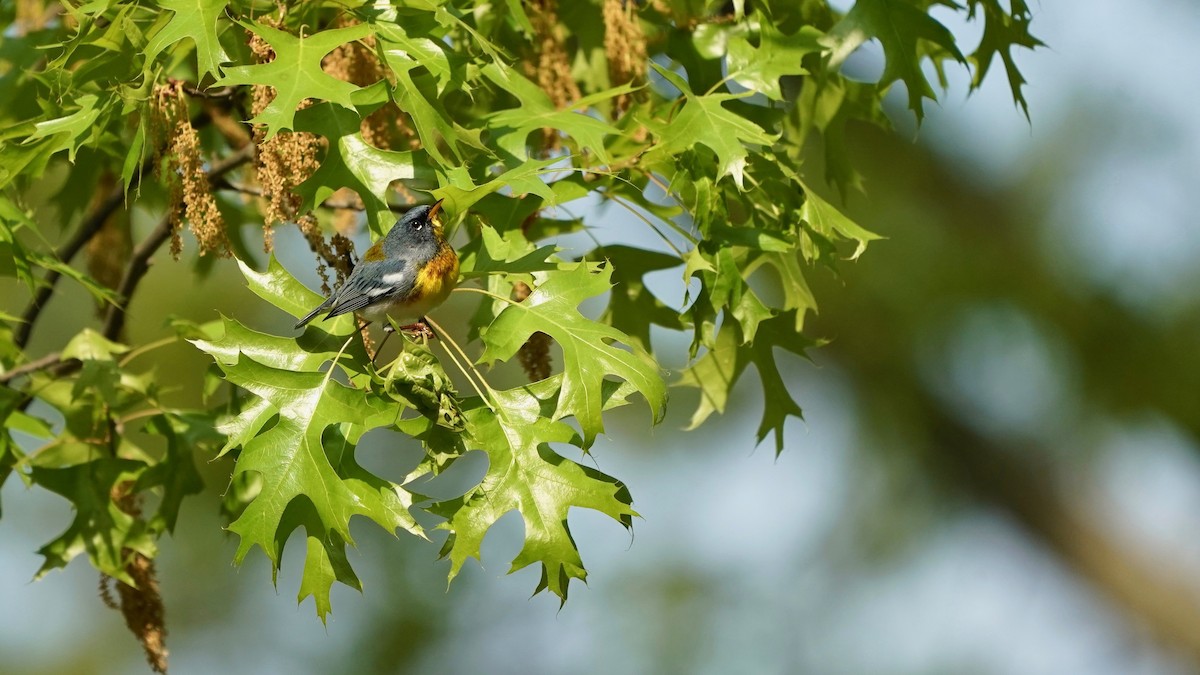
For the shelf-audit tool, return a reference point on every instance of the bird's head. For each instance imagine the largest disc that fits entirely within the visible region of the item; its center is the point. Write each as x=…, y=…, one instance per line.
x=419, y=227
x=421, y=222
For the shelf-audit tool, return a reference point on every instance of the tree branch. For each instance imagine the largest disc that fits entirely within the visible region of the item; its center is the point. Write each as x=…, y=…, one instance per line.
x=348, y=205
x=139, y=262
x=212, y=94
x=46, y=361
x=1164, y=597
x=91, y=225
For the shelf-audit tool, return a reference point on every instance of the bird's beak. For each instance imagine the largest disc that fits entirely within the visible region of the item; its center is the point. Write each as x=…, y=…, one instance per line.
x=437, y=206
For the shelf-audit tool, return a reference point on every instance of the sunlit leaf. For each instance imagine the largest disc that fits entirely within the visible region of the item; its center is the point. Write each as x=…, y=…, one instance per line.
x=591, y=350
x=295, y=73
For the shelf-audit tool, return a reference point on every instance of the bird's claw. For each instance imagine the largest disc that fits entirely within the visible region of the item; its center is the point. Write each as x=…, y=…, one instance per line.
x=419, y=329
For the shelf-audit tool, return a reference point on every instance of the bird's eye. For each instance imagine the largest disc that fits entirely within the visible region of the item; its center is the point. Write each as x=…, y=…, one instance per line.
x=418, y=225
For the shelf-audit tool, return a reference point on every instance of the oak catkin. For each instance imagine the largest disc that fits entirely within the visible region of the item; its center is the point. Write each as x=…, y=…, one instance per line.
x=191, y=193
x=551, y=67
x=534, y=355
x=625, y=49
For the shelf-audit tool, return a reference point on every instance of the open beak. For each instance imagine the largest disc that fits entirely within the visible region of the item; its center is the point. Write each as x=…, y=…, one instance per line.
x=436, y=208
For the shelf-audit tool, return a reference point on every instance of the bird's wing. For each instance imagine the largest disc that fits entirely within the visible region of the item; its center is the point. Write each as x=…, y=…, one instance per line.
x=320, y=308
x=367, y=286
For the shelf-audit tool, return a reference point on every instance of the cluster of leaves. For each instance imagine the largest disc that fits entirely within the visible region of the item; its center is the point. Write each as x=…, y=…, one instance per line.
x=720, y=149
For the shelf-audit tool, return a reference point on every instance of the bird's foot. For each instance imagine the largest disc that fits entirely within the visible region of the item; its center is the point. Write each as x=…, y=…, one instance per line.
x=419, y=329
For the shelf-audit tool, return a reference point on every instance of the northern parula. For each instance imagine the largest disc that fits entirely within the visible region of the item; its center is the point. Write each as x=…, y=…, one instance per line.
x=408, y=272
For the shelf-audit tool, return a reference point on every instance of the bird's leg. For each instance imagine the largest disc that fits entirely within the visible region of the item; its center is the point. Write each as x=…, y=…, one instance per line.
x=387, y=333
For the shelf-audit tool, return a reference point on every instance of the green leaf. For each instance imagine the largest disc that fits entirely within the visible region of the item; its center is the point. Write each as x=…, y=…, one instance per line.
x=632, y=308
x=512, y=127
x=1002, y=32
x=430, y=119
x=461, y=193
x=67, y=131
x=777, y=54
x=89, y=345
x=194, y=20
x=444, y=65
x=525, y=475
x=900, y=26
x=14, y=259
x=718, y=370
x=176, y=473
x=352, y=162
x=827, y=220
x=796, y=293
x=295, y=463
x=306, y=352
x=726, y=287
x=511, y=253
x=703, y=120
x=100, y=529
x=590, y=349
x=277, y=286
x=295, y=72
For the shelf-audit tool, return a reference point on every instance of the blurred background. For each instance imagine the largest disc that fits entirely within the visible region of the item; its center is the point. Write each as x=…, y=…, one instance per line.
x=999, y=472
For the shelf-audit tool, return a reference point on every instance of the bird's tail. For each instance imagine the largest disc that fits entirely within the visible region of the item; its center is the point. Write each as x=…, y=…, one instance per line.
x=320, y=308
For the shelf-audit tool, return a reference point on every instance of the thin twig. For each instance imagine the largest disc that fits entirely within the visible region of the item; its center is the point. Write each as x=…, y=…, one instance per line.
x=348, y=205
x=197, y=92
x=31, y=367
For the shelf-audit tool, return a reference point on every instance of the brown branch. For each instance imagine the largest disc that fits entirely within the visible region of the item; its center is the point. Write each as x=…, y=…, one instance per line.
x=46, y=361
x=212, y=94
x=139, y=262
x=348, y=205
x=1164, y=597
x=91, y=225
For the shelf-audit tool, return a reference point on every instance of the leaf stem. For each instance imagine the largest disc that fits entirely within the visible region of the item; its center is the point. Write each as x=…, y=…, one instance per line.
x=148, y=412
x=469, y=289
x=344, y=204
x=446, y=339
x=629, y=207
x=145, y=348
x=616, y=176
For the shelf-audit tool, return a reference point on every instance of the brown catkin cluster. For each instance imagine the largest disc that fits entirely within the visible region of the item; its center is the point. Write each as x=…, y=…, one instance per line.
x=191, y=193
x=141, y=604
x=336, y=251
x=281, y=162
x=30, y=16
x=552, y=69
x=534, y=355
x=625, y=47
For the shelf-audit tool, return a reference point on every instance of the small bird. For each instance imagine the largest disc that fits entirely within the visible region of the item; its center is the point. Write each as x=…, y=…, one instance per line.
x=408, y=272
